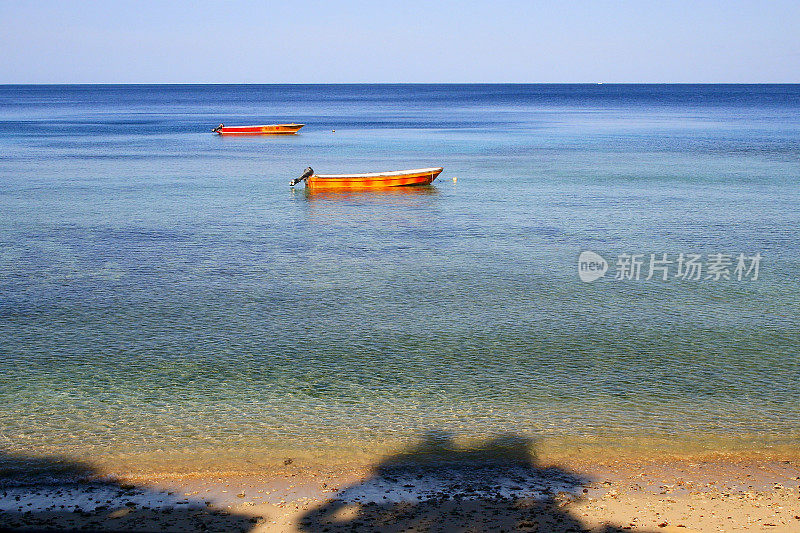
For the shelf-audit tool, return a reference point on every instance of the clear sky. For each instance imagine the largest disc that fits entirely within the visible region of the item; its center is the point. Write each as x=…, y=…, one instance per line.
x=308, y=41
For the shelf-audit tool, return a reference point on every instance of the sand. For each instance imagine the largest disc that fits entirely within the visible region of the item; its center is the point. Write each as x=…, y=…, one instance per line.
x=426, y=495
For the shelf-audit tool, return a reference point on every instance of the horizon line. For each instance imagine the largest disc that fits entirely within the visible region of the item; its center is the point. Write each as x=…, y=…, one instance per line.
x=414, y=83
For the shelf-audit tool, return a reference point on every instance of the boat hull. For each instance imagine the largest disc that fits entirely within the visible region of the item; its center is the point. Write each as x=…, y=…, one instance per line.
x=404, y=178
x=268, y=129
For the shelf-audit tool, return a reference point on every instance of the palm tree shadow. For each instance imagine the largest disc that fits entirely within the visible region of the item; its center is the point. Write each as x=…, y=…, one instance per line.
x=56, y=494
x=435, y=485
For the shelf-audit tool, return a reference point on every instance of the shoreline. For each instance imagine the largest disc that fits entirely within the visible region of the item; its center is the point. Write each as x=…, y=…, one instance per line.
x=424, y=493
x=255, y=459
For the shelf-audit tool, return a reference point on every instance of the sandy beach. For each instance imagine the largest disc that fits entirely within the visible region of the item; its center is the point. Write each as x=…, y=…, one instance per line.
x=498, y=488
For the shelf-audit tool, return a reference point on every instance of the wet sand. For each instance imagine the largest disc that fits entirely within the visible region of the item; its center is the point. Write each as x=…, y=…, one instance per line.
x=485, y=495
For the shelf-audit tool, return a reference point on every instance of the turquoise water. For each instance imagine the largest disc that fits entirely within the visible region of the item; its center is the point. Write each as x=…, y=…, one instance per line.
x=162, y=288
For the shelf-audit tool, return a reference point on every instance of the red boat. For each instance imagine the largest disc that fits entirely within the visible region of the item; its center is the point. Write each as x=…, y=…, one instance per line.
x=375, y=180
x=267, y=129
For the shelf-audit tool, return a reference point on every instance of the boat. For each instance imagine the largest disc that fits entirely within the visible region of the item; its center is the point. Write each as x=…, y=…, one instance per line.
x=375, y=180
x=265, y=129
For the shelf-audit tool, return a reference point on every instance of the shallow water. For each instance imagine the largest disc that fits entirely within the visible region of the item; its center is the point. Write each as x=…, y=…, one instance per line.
x=163, y=290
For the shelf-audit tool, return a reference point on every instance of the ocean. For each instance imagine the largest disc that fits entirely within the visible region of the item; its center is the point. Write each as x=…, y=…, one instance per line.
x=168, y=302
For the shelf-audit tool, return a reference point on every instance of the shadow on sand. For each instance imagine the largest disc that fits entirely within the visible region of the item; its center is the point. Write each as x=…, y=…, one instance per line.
x=438, y=486
x=53, y=494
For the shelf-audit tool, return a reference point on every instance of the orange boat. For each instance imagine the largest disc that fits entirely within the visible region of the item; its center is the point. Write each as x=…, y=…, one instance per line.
x=376, y=180
x=268, y=129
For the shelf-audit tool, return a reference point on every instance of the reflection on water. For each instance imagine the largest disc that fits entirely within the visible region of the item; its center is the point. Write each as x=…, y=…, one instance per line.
x=368, y=195
x=398, y=206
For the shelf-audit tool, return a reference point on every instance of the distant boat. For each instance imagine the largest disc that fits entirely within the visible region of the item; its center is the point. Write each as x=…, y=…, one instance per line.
x=375, y=180
x=266, y=129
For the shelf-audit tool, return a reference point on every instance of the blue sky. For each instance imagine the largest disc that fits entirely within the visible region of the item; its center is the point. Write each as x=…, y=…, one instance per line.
x=292, y=41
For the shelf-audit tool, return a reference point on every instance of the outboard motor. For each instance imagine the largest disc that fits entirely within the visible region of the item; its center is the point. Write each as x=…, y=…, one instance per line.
x=306, y=174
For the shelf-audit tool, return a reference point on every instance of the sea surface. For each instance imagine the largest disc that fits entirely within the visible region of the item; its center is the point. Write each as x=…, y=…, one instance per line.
x=167, y=298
